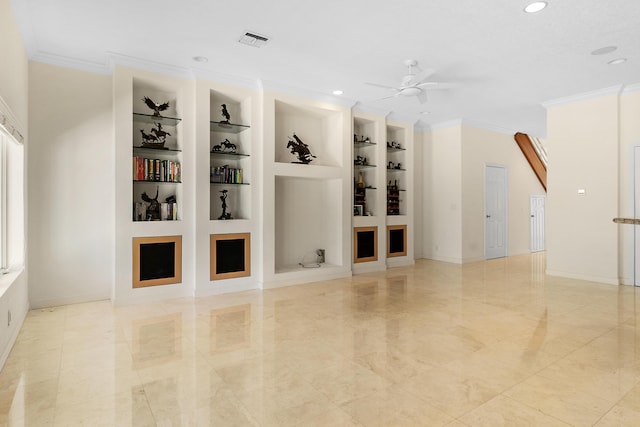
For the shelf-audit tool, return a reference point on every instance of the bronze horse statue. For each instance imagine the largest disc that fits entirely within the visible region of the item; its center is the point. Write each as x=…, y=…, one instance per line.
x=301, y=150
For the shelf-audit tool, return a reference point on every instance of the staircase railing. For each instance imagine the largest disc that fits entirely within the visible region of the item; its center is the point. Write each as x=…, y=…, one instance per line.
x=535, y=154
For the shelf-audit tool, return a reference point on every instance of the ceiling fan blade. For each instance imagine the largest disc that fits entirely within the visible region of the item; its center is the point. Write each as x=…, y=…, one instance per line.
x=386, y=97
x=382, y=86
x=421, y=76
x=422, y=97
x=436, y=85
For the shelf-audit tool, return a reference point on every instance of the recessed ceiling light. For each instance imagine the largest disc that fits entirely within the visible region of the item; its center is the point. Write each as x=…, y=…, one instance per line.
x=536, y=6
x=604, y=50
x=201, y=59
x=338, y=92
x=617, y=61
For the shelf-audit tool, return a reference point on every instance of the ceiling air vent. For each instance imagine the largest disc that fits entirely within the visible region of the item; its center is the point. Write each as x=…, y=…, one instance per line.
x=253, y=39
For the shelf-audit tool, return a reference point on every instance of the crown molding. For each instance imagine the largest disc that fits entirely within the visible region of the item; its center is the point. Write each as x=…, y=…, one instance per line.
x=446, y=124
x=368, y=109
x=268, y=85
x=403, y=118
x=232, y=80
x=613, y=90
x=73, y=63
x=152, y=66
x=631, y=88
x=421, y=126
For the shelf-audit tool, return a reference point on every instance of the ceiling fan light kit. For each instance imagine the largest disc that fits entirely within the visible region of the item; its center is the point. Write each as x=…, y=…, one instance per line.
x=414, y=83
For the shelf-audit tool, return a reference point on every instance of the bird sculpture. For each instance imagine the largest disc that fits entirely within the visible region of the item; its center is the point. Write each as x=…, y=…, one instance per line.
x=157, y=108
x=225, y=114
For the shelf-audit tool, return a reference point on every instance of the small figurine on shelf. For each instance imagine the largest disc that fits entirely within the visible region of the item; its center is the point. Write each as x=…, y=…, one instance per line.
x=216, y=148
x=160, y=133
x=149, y=140
x=360, y=183
x=223, y=199
x=399, y=166
x=390, y=165
x=300, y=149
x=157, y=108
x=358, y=161
x=153, y=210
x=228, y=145
x=225, y=114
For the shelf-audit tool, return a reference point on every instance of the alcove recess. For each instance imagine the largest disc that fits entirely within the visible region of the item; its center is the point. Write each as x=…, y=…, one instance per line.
x=309, y=205
x=144, y=121
x=397, y=165
x=365, y=165
x=321, y=129
x=233, y=167
x=308, y=217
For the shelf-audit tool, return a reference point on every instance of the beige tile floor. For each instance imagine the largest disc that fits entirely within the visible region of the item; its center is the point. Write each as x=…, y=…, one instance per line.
x=486, y=344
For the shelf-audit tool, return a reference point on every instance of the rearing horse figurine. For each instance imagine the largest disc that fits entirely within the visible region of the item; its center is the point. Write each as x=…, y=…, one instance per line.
x=300, y=149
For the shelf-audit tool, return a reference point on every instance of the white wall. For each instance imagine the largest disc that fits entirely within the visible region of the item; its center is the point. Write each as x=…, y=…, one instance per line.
x=481, y=147
x=582, y=240
x=454, y=160
x=71, y=186
x=445, y=190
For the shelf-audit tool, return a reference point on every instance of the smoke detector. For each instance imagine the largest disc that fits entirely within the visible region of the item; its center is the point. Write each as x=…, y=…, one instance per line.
x=253, y=39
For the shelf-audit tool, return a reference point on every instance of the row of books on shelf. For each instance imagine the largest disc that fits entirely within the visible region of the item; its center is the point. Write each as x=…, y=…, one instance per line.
x=226, y=175
x=156, y=170
x=167, y=212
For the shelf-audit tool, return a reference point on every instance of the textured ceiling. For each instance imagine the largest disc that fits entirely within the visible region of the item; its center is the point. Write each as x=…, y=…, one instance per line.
x=506, y=62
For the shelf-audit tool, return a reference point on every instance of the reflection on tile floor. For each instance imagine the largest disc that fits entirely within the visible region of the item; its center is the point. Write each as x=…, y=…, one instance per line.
x=490, y=343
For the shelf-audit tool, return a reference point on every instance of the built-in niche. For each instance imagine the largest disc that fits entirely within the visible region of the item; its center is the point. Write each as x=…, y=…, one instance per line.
x=396, y=240
x=320, y=129
x=365, y=244
x=308, y=217
x=157, y=261
x=229, y=156
x=230, y=255
x=365, y=165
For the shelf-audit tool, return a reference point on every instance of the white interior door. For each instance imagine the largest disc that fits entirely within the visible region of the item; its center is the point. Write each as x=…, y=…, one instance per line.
x=536, y=211
x=495, y=208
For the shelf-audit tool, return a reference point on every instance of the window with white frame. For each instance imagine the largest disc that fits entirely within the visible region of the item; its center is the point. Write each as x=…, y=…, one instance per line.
x=12, y=233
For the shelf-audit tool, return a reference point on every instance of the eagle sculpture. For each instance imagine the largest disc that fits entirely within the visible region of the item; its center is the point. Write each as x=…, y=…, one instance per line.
x=155, y=107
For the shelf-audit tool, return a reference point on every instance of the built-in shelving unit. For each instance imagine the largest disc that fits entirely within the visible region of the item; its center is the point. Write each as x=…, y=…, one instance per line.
x=399, y=183
x=226, y=192
x=229, y=160
x=369, y=182
x=156, y=161
x=154, y=183
x=235, y=182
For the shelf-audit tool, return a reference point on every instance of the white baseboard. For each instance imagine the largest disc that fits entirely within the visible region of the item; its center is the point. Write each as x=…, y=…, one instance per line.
x=587, y=278
x=76, y=299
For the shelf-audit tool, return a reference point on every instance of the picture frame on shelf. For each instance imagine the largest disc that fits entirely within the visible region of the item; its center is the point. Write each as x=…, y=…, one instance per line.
x=358, y=210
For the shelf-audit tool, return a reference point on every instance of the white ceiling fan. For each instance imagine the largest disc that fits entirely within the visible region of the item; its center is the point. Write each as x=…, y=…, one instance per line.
x=414, y=83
